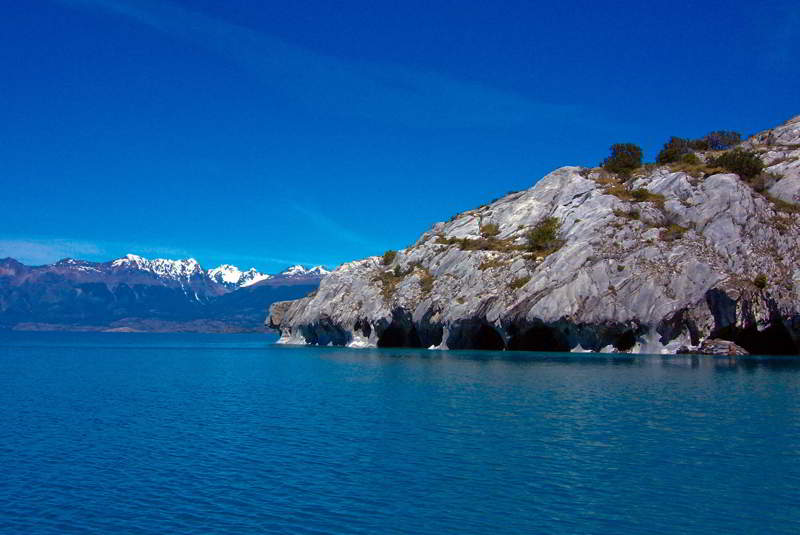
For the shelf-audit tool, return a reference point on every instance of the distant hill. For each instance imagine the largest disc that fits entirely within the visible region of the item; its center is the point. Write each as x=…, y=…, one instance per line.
x=140, y=294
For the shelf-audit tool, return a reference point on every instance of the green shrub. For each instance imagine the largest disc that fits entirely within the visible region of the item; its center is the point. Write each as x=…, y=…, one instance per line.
x=722, y=139
x=782, y=206
x=632, y=214
x=426, y=282
x=490, y=230
x=490, y=263
x=698, y=144
x=760, y=281
x=744, y=163
x=543, y=237
x=519, y=282
x=690, y=159
x=673, y=150
x=389, y=256
x=624, y=158
x=672, y=233
x=763, y=181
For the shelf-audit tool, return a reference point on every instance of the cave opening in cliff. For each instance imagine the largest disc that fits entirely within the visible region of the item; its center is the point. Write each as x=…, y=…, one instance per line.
x=539, y=338
x=774, y=340
x=625, y=341
x=488, y=338
x=397, y=335
x=363, y=326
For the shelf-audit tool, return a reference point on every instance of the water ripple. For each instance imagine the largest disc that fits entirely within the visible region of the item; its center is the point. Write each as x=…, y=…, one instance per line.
x=162, y=434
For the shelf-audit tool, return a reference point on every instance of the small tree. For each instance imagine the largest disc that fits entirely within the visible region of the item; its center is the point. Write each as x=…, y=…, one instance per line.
x=673, y=150
x=388, y=257
x=625, y=157
x=760, y=281
x=722, y=139
x=543, y=237
x=744, y=163
x=490, y=230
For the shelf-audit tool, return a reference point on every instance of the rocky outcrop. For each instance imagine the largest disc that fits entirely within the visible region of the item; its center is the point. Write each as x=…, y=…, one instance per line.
x=779, y=149
x=716, y=347
x=670, y=258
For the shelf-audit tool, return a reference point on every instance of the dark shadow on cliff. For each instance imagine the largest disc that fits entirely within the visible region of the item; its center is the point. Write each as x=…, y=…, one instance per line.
x=774, y=340
x=399, y=335
x=539, y=338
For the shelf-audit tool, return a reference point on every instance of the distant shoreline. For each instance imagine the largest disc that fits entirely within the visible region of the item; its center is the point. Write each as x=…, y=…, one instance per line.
x=142, y=326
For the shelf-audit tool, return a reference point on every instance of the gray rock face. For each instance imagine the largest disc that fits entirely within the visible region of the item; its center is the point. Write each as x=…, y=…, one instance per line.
x=780, y=151
x=661, y=261
x=716, y=347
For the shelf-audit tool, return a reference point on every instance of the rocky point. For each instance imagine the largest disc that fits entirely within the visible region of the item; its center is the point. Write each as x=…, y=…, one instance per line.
x=673, y=258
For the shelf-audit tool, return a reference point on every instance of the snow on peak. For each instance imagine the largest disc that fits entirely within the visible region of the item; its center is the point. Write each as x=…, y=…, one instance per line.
x=225, y=273
x=251, y=276
x=163, y=267
x=231, y=276
x=299, y=271
x=319, y=270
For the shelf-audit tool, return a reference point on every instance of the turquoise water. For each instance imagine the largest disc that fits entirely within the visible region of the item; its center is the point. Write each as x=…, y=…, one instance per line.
x=138, y=433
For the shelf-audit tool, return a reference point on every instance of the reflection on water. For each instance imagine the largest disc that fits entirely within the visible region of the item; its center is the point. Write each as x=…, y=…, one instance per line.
x=578, y=359
x=151, y=434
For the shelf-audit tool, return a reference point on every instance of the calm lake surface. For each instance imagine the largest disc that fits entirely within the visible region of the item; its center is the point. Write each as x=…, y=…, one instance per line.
x=143, y=433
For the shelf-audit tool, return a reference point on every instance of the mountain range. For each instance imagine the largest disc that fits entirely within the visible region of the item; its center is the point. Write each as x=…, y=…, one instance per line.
x=135, y=293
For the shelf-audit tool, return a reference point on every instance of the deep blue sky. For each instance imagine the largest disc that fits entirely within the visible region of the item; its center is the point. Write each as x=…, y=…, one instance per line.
x=269, y=133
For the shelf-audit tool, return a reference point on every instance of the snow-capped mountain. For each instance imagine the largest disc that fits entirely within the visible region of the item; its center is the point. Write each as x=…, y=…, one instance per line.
x=298, y=274
x=300, y=271
x=232, y=277
x=79, y=293
x=170, y=269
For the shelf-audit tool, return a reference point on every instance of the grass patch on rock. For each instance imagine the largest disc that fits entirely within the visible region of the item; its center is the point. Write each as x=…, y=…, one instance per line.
x=544, y=238
x=491, y=263
x=519, y=282
x=672, y=232
x=389, y=256
x=425, y=281
x=782, y=206
x=627, y=214
x=490, y=230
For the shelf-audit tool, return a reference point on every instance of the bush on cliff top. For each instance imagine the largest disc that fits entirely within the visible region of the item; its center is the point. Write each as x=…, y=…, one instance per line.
x=624, y=158
x=673, y=150
x=722, y=139
x=677, y=148
x=388, y=257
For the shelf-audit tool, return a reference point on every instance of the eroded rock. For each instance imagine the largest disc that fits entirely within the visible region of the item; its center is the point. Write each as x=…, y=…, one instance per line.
x=696, y=258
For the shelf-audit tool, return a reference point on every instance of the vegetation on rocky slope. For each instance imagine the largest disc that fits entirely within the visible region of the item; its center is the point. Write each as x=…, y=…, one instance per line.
x=628, y=256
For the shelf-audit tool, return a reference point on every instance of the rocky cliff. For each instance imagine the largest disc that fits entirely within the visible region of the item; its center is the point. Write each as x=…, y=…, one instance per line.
x=670, y=258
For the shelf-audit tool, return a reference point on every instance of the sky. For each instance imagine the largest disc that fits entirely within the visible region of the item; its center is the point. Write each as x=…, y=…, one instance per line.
x=267, y=134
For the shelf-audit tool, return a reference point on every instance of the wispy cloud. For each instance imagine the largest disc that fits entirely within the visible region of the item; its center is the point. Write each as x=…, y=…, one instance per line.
x=329, y=226
x=377, y=91
x=37, y=252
